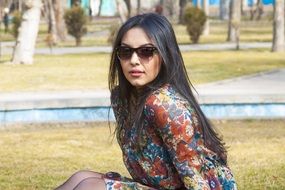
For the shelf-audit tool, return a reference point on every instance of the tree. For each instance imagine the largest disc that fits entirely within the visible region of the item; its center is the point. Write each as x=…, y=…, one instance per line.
x=52, y=29
x=278, y=26
x=138, y=6
x=122, y=10
x=59, y=6
x=100, y=7
x=224, y=9
x=76, y=20
x=207, y=24
x=194, y=19
x=16, y=23
x=129, y=7
x=234, y=22
x=171, y=9
x=182, y=4
x=53, y=11
x=256, y=9
x=26, y=40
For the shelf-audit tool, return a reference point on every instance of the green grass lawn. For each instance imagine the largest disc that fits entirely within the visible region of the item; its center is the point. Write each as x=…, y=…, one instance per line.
x=90, y=71
x=41, y=156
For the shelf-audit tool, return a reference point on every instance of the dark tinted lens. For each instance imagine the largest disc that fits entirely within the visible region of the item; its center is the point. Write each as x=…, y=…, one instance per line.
x=124, y=53
x=146, y=52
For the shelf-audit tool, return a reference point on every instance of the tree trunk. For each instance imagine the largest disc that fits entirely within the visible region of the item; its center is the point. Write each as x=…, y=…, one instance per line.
x=259, y=9
x=100, y=7
x=182, y=4
x=128, y=4
x=78, y=41
x=224, y=9
x=52, y=30
x=206, y=31
x=122, y=10
x=138, y=6
x=256, y=10
x=242, y=6
x=234, y=21
x=278, y=26
x=171, y=9
x=26, y=41
x=59, y=6
x=20, y=6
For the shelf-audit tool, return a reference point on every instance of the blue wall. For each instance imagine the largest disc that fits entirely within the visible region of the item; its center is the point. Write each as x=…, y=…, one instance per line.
x=217, y=2
x=108, y=8
x=212, y=111
x=84, y=4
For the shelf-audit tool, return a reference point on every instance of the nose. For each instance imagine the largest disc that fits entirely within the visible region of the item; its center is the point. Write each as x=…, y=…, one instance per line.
x=135, y=59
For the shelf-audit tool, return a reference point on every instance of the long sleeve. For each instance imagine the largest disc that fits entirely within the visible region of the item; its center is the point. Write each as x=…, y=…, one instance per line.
x=176, y=123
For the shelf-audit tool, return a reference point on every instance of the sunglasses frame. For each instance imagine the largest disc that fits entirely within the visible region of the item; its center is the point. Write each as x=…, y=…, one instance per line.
x=137, y=50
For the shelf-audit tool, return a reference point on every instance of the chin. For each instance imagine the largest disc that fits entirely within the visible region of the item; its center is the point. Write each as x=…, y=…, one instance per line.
x=138, y=85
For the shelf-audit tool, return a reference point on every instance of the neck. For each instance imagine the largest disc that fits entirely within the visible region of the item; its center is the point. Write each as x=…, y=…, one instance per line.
x=138, y=91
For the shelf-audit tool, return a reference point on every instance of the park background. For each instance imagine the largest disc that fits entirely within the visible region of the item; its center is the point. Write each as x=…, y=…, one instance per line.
x=42, y=155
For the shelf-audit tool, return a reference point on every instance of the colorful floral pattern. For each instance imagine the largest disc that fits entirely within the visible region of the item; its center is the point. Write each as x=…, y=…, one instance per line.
x=170, y=152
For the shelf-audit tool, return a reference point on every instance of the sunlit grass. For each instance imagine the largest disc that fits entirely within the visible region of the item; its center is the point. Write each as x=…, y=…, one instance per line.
x=256, y=153
x=63, y=72
x=90, y=71
x=41, y=156
x=210, y=66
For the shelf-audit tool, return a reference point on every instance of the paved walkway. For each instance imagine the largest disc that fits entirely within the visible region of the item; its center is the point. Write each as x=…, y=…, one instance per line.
x=267, y=87
x=7, y=48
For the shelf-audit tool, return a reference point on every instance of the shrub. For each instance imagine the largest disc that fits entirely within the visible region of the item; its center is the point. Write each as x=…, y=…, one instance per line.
x=194, y=19
x=76, y=20
x=16, y=23
x=113, y=29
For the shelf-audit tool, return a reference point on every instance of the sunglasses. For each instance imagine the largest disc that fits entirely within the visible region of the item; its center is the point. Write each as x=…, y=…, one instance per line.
x=125, y=53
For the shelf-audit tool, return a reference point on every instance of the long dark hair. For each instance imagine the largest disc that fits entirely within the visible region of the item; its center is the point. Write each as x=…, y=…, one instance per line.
x=172, y=72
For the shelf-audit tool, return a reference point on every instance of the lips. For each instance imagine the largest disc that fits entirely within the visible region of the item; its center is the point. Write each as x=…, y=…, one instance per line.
x=136, y=73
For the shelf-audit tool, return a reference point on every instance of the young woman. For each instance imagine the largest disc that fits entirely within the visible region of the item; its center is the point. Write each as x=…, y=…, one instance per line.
x=166, y=140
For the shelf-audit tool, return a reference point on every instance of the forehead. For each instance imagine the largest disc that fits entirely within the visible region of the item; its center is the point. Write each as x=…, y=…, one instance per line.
x=136, y=37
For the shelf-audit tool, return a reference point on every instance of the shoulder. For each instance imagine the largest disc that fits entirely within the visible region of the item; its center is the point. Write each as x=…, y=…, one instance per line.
x=165, y=94
x=166, y=104
x=166, y=107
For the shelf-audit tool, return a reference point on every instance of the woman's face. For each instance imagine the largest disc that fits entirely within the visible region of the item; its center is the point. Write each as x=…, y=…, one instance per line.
x=139, y=58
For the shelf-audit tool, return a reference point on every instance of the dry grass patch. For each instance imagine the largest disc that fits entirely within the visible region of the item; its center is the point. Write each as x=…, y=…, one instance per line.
x=90, y=71
x=42, y=156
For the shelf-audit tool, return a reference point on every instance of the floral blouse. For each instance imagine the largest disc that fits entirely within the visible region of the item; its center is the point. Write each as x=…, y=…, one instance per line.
x=169, y=151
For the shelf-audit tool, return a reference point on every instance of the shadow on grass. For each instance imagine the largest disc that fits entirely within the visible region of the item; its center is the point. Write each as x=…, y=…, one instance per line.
x=3, y=61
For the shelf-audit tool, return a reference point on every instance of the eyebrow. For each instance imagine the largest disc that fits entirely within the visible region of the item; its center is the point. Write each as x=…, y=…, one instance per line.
x=144, y=45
